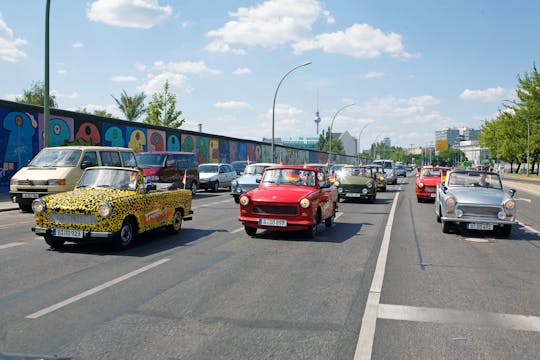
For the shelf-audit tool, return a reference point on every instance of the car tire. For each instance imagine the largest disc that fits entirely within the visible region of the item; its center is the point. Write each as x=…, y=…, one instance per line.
x=445, y=226
x=505, y=231
x=438, y=215
x=215, y=186
x=54, y=242
x=311, y=232
x=251, y=231
x=25, y=207
x=193, y=188
x=419, y=199
x=126, y=235
x=383, y=189
x=236, y=199
x=176, y=223
x=328, y=222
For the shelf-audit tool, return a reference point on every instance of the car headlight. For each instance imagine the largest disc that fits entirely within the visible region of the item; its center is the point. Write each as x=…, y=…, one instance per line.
x=304, y=203
x=234, y=183
x=104, y=210
x=340, y=190
x=459, y=213
x=38, y=206
x=369, y=185
x=244, y=200
x=364, y=191
x=501, y=215
x=56, y=182
x=336, y=183
x=450, y=201
x=510, y=205
x=420, y=185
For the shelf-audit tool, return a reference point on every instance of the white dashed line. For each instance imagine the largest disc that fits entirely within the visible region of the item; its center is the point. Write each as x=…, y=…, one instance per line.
x=13, y=244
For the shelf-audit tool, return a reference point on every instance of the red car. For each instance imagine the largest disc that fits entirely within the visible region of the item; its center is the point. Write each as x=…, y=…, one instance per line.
x=289, y=198
x=426, y=182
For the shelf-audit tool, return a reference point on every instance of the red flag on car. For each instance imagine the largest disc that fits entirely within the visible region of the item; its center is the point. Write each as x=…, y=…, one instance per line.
x=184, y=179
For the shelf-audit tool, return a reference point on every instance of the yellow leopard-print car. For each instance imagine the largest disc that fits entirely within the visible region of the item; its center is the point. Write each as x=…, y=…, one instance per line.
x=109, y=203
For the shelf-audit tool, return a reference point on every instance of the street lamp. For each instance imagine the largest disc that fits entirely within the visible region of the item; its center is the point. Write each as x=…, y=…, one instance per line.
x=274, y=104
x=331, y=125
x=46, y=98
x=528, y=138
x=359, y=136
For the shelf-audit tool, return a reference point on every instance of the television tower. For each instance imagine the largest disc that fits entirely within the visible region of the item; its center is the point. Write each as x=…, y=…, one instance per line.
x=317, y=117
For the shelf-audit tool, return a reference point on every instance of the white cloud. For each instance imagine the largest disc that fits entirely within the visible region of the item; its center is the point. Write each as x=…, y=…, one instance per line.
x=111, y=109
x=268, y=24
x=488, y=95
x=242, y=71
x=60, y=95
x=61, y=72
x=360, y=41
x=390, y=106
x=186, y=67
x=126, y=78
x=142, y=14
x=77, y=44
x=232, y=105
x=374, y=74
x=9, y=47
x=177, y=83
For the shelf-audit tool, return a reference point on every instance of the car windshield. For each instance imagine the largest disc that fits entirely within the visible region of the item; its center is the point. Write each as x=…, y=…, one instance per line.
x=208, y=168
x=289, y=177
x=151, y=160
x=109, y=178
x=474, y=179
x=255, y=169
x=56, y=157
x=355, y=171
x=431, y=172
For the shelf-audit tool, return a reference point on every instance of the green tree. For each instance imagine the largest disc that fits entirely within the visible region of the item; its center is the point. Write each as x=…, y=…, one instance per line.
x=324, y=143
x=36, y=96
x=131, y=106
x=162, y=109
x=102, y=113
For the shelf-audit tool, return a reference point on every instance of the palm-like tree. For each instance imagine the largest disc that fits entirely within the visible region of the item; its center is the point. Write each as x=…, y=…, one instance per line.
x=131, y=106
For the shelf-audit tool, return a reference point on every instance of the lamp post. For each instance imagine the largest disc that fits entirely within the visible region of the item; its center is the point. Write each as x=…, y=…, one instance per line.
x=528, y=138
x=359, y=136
x=46, y=97
x=274, y=104
x=331, y=125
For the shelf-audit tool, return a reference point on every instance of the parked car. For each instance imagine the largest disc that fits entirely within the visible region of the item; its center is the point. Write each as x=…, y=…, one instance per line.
x=167, y=169
x=465, y=200
x=213, y=176
x=355, y=183
x=58, y=169
x=426, y=182
x=380, y=178
x=249, y=180
x=109, y=203
x=389, y=170
x=289, y=198
x=239, y=166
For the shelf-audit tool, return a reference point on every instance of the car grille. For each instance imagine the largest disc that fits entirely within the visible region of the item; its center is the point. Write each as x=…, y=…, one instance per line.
x=480, y=211
x=430, y=189
x=30, y=182
x=72, y=219
x=275, y=209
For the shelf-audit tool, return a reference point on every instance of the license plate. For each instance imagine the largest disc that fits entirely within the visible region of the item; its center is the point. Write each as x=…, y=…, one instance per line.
x=432, y=195
x=480, y=226
x=353, y=195
x=30, y=196
x=273, y=222
x=68, y=233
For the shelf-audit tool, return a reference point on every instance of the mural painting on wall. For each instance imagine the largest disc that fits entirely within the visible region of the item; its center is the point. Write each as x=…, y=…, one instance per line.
x=242, y=151
x=201, y=149
x=114, y=135
x=137, y=139
x=233, y=149
x=173, y=143
x=224, y=153
x=213, y=150
x=60, y=130
x=188, y=143
x=87, y=134
x=156, y=140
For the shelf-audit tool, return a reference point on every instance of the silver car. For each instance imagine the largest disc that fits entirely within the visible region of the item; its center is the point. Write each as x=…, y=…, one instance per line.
x=475, y=200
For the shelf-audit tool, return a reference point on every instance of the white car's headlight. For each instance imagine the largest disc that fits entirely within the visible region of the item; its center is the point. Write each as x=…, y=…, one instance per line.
x=304, y=203
x=450, y=201
x=510, y=204
x=234, y=183
x=56, y=182
x=38, y=206
x=104, y=210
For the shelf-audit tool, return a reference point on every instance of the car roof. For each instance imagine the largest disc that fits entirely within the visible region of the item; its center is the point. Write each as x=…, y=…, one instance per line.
x=167, y=152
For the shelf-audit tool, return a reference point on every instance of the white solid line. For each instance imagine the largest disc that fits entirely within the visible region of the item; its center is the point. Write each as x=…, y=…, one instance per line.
x=94, y=290
x=534, y=231
x=237, y=230
x=338, y=215
x=449, y=316
x=13, y=244
x=369, y=320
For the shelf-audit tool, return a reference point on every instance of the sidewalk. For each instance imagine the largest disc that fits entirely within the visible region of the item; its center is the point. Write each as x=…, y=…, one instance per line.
x=6, y=204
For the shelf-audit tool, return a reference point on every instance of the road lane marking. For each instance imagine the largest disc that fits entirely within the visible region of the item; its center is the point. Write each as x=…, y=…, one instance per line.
x=364, y=346
x=449, y=316
x=9, y=245
x=534, y=231
x=92, y=291
x=16, y=223
x=211, y=204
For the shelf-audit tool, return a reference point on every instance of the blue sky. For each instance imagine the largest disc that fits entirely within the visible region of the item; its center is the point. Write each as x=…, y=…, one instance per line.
x=410, y=67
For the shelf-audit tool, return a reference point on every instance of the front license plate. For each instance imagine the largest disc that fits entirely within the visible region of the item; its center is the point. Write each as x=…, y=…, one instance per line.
x=30, y=195
x=353, y=195
x=432, y=195
x=480, y=226
x=68, y=233
x=273, y=222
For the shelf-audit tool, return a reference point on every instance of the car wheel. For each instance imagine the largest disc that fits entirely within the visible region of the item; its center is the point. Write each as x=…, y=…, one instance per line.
x=251, y=231
x=312, y=231
x=330, y=220
x=438, y=215
x=54, y=242
x=25, y=207
x=126, y=235
x=237, y=199
x=505, y=231
x=419, y=199
x=193, y=188
x=384, y=189
x=176, y=224
x=215, y=186
x=445, y=226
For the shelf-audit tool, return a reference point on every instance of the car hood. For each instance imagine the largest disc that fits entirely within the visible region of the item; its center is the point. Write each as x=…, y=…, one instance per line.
x=280, y=193
x=207, y=175
x=355, y=180
x=430, y=180
x=85, y=199
x=478, y=195
x=248, y=179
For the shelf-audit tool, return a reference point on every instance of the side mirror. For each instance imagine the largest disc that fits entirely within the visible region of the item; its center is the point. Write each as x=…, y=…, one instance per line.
x=512, y=192
x=150, y=186
x=86, y=164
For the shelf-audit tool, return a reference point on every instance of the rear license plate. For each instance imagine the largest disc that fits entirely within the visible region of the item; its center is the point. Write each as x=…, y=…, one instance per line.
x=68, y=233
x=273, y=222
x=353, y=195
x=480, y=226
x=30, y=195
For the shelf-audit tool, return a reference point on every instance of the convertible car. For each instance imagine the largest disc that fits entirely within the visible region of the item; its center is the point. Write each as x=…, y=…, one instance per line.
x=109, y=203
x=248, y=180
x=355, y=183
x=289, y=198
x=380, y=178
x=475, y=200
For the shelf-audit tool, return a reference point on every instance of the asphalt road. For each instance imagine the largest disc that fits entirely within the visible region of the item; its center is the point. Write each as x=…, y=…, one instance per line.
x=212, y=292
